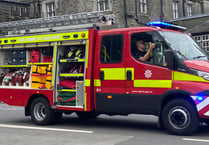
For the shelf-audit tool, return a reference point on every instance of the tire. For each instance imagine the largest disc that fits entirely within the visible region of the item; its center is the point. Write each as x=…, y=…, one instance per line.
x=87, y=115
x=41, y=112
x=179, y=117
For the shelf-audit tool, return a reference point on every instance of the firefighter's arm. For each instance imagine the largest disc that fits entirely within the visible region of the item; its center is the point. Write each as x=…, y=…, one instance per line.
x=146, y=56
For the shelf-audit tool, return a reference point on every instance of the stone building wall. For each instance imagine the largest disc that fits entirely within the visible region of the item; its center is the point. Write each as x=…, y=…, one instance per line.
x=205, y=6
x=117, y=7
x=10, y=11
x=154, y=9
x=197, y=8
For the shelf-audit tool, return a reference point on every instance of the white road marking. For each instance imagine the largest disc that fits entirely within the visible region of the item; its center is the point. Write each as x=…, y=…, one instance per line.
x=196, y=140
x=11, y=109
x=43, y=128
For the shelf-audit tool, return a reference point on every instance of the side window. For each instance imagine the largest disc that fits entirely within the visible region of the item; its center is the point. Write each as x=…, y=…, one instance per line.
x=111, y=49
x=148, y=47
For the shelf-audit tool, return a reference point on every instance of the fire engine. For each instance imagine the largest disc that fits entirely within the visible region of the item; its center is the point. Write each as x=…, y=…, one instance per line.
x=65, y=64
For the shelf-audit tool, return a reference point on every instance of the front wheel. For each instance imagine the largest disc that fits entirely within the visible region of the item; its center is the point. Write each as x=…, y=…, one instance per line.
x=41, y=112
x=179, y=117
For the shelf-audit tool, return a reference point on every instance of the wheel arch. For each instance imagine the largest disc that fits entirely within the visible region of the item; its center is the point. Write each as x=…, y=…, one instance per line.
x=174, y=94
x=31, y=99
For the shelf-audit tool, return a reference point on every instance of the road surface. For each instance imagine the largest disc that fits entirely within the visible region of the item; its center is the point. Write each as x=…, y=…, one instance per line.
x=16, y=129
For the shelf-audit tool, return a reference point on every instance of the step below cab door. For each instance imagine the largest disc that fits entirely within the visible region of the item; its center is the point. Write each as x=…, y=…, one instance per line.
x=109, y=72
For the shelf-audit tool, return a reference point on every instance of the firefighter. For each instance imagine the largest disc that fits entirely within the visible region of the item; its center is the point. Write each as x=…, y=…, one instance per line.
x=141, y=54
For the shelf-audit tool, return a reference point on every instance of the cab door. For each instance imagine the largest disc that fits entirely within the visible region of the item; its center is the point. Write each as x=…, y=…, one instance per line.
x=109, y=72
x=146, y=81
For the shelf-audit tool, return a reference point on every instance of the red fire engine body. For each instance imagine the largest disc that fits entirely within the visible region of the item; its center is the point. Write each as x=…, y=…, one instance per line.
x=173, y=85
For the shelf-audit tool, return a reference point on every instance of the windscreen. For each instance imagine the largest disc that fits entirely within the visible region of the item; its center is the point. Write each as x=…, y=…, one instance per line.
x=185, y=46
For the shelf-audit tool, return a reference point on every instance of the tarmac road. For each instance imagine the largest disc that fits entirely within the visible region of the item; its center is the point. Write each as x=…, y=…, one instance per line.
x=16, y=129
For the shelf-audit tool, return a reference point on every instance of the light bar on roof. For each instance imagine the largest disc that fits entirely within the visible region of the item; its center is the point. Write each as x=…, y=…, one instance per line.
x=156, y=23
x=166, y=25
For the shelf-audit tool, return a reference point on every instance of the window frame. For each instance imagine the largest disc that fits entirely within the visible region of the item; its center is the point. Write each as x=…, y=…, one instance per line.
x=100, y=3
x=11, y=10
x=50, y=5
x=25, y=10
x=15, y=7
x=146, y=62
x=189, y=10
x=175, y=6
x=203, y=40
x=143, y=6
x=122, y=46
x=21, y=11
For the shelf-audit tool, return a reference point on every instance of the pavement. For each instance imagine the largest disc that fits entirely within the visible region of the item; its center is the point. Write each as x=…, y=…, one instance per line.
x=17, y=129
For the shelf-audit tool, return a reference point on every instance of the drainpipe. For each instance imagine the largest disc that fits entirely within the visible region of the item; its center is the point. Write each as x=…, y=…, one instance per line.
x=125, y=13
x=39, y=9
x=136, y=11
x=202, y=7
x=184, y=13
x=34, y=8
x=162, y=15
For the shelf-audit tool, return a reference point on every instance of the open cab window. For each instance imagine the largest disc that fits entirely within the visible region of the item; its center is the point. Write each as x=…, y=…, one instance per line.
x=144, y=39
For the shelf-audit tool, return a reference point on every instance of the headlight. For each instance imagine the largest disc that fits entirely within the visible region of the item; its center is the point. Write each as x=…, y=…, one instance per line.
x=204, y=75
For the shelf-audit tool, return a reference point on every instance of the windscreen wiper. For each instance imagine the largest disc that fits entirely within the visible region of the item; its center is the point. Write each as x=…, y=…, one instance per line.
x=198, y=57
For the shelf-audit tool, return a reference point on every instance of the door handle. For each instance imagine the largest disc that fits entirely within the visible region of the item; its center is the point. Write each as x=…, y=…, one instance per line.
x=101, y=75
x=129, y=75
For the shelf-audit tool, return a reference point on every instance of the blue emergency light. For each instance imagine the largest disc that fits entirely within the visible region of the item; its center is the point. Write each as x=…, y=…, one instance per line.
x=158, y=23
x=200, y=98
x=166, y=25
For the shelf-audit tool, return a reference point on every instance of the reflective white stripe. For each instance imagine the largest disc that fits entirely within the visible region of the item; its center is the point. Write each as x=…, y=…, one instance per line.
x=194, y=97
x=207, y=113
x=203, y=104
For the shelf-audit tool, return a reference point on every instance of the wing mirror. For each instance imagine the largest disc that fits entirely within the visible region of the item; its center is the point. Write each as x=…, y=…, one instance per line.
x=169, y=59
